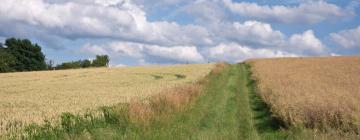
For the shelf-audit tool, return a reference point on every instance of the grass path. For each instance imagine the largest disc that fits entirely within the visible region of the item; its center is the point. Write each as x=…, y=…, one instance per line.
x=228, y=110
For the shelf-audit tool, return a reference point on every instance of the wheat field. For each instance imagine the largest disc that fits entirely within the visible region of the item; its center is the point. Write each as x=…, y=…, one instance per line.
x=32, y=97
x=313, y=92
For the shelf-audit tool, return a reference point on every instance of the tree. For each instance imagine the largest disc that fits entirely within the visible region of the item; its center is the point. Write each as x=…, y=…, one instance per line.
x=69, y=65
x=28, y=56
x=7, y=61
x=101, y=61
x=50, y=65
x=85, y=63
x=75, y=64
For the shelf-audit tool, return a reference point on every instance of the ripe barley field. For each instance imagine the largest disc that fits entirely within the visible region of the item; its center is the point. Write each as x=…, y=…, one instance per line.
x=320, y=93
x=32, y=97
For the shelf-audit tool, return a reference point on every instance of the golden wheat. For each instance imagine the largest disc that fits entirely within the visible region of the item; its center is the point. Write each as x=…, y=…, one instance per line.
x=31, y=97
x=315, y=92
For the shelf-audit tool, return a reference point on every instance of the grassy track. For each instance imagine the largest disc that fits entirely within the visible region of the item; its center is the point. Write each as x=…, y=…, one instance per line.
x=216, y=115
x=228, y=110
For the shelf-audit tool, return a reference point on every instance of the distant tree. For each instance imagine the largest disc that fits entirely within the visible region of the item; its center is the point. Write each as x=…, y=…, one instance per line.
x=7, y=61
x=101, y=61
x=85, y=63
x=28, y=56
x=50, y=64
x=69, y=65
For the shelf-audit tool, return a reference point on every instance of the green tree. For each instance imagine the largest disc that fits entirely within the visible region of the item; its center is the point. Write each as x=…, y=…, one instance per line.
x=85, y=63
x=7, y=61
x=28, y=56
x=101, y=61
x=69, y=65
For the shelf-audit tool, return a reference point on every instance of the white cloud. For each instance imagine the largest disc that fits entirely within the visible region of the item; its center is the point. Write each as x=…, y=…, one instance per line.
x=177, y=53
x=156, y=4
x=93, y=49
x=134, y=50
x=109, y=2
x=140, y=52
x=306, y=12
x=253, y=33
x=258, y=39
x=306, y=42
x=233, y=52
x=146, y=54
x=67, y=16
x=118, y=19
x=136, y=39
x=347, y=38
x=261, y=35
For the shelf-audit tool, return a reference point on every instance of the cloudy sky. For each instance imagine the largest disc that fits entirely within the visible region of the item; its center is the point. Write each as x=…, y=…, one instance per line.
x=142, y=32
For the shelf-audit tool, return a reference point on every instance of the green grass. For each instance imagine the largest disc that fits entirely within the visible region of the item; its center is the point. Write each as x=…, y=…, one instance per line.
x=215, y=115
x=266, y=125
x=228, y=109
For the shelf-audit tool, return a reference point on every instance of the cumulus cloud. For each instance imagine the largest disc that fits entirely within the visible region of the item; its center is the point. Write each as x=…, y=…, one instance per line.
x=177, y=53
x=134, y=35
x=306, y=12
x=153, y=53
x=240, y=41
x=93, y=49
x=261, y=35
x=118, y=19
x=233, y=52
x=306, y=42
x=252, y=33
x=145, y=53
x=160, y=3
x=347, y=38
x=134, y=50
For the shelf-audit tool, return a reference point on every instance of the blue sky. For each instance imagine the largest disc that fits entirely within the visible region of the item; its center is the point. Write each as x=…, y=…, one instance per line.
x=145, y=32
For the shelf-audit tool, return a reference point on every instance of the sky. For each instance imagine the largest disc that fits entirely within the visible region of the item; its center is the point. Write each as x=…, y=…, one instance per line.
x=147, y=32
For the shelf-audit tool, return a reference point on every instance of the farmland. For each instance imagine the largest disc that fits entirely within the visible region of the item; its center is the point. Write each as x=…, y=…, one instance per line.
x=282, y=98
x=224, y=105
x=318, y=93
x=32, y=97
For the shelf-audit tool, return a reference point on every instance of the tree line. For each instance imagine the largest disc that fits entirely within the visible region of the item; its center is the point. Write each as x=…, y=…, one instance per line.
x=99, y=61
x=18, y=55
